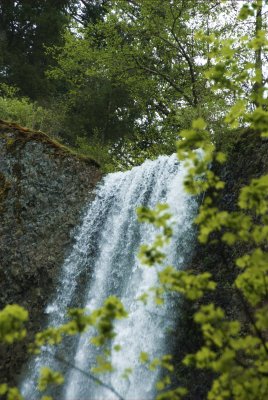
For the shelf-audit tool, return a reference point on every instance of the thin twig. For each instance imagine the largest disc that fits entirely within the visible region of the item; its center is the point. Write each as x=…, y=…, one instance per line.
x=87, y=374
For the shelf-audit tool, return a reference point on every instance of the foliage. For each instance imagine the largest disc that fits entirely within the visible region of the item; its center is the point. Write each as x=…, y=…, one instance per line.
x=97, y=104
x=238, y=357
x=10, y=393
x=12, y=319
x=22, y=110
x=135, y=78
x=49, y=377
x=26, y=29
x=96, y=149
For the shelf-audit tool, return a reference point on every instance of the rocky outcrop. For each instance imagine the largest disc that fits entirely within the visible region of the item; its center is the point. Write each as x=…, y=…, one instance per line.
x=247, y=159
x=43, y=189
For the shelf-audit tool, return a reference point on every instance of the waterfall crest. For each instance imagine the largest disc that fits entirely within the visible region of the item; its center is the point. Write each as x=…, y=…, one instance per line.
x=103, y=262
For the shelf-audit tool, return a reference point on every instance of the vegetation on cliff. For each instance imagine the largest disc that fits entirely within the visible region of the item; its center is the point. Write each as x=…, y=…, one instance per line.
x=121, y=78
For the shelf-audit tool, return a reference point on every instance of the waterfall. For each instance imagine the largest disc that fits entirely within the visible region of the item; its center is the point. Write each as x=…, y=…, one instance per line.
x=103, y=262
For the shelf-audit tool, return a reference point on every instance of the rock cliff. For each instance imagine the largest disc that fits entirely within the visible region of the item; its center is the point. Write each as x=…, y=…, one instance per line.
x=247, y=159
x=43, y=189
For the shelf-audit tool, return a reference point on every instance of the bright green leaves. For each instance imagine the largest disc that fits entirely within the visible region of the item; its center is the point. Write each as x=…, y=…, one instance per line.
x=245, y=12
x=255, y=196
x=193, y=139
x=79, y=321
x=163, y=383
x=104, y=366
x=144, y=357
x=259, y=120
x=238, y=359
x=11, y=393
x=12, y=320
x=216, y=329
x=262, y=318
x=259, y=41
x=49, y=377
x=192, y=286
x=104, y=317
x=127, y=372
x=163, y=362
x=101, y=319
x=210, y=219
x=3, y=389
x=253, y=281
x=49, y=336
x=236, y=114
x=176, y=394
x=201, y=359
x=220, y=157
x=199, y=124
x=159, y=217
x=153, y=254
x=197, y=151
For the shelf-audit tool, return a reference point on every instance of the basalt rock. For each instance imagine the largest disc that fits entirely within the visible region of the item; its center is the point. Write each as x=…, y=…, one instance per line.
x=247, y=159
x=43, y=190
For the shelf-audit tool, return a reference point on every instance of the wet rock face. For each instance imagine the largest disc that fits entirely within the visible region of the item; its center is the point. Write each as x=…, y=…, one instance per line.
x=43, y=190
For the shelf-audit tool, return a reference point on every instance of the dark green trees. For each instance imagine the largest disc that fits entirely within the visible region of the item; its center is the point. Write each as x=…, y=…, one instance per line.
x=26, y=29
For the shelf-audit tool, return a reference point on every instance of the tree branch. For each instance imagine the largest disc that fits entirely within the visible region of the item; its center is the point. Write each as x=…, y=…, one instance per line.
x=166, y=78
x=87, y=374
x=188, y=60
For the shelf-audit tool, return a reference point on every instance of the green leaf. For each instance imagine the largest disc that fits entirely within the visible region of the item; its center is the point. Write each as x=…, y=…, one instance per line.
x=144, y=357
x=199, y=123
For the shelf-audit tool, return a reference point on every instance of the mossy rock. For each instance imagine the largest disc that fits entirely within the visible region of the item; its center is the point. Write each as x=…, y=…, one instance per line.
x=5, y=185
x=17, y=137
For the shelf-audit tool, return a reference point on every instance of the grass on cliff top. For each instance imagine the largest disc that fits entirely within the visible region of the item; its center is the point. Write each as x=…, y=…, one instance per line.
x=23, y=135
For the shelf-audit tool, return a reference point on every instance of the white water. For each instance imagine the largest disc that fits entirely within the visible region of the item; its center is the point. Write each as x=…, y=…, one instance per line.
x=103, y=262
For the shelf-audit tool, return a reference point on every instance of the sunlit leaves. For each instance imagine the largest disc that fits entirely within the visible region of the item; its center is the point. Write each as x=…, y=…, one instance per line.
x=175, y=394
x=101, y=319
x=197, y=151
x=12, y=320
x=253, y=281
x=239, y=360
x=163, y=383
x=245, y=12
x=255, y=195
x=127, y=372
x=164, y=362
x=103, y=366
x=144, y=357
x=259, y=119
x=192, y=286
x=11, y=393
x=3, y=388
x=112, y=309
x=151, y=254
x=49, y=377
x=236, y=112
x=159, y=217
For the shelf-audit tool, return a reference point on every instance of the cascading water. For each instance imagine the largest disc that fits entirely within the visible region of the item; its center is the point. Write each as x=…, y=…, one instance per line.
x=104, y=262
